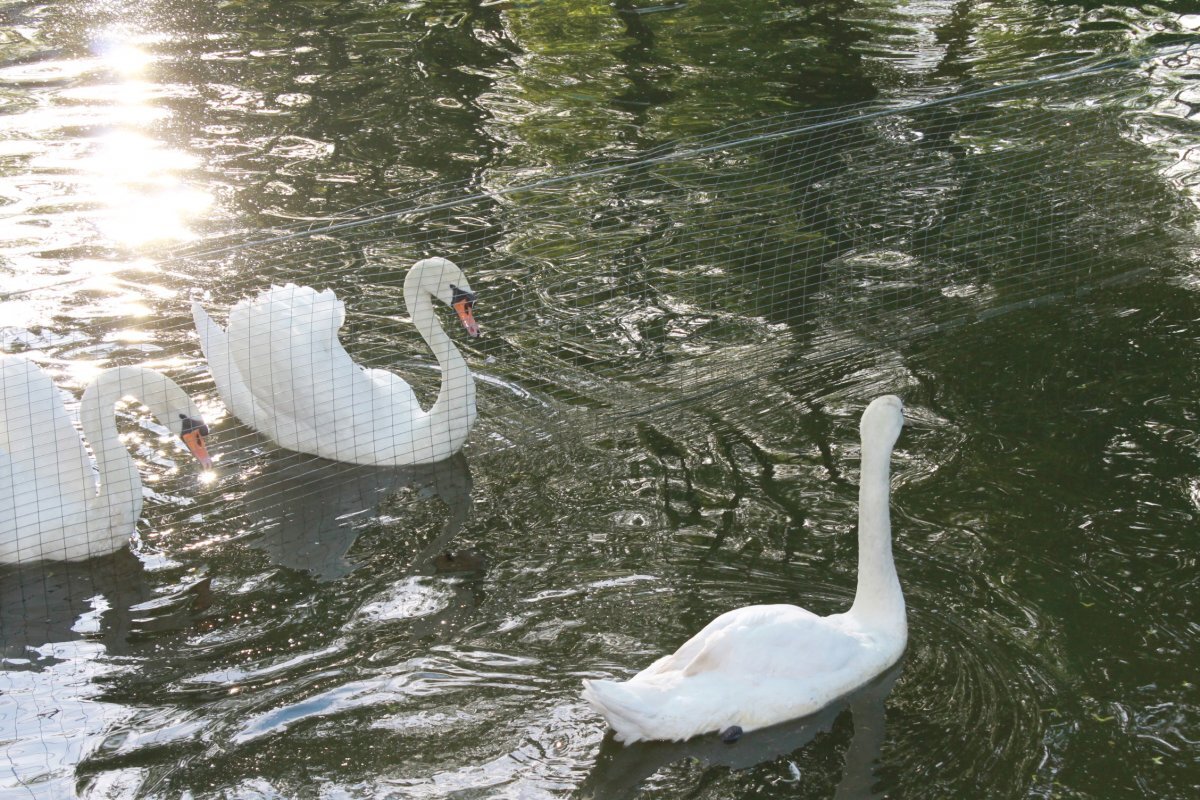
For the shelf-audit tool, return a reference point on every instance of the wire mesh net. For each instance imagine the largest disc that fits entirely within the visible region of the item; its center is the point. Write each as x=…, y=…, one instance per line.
x=612, y=293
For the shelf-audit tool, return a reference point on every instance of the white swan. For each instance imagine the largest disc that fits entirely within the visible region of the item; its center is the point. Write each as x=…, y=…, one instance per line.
x=759, y=665
x=49, y=504
x=280, y=368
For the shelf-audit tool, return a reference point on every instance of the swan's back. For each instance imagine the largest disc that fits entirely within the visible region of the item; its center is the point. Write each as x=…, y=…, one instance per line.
x=764, y=640
x=44, y=469
x=752, y=667
x=284, y=342
x=285, y=345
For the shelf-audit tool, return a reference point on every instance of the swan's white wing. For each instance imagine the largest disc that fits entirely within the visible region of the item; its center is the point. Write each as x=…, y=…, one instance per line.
x=45, y=473
x=765, y=641
x=752, y=667
x=687, y=652
x=226, y=375
x=36, y=430
x=285, y=345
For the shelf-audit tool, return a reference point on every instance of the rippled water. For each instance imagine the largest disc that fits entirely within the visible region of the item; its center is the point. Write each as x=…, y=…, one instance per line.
x=294, y=631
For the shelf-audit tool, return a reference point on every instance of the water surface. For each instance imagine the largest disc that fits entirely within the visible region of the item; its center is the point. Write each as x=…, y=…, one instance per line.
x=674, y=363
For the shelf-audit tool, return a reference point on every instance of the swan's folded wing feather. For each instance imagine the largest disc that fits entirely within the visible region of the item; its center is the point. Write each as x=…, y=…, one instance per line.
x=689, y=650
x=285, y=344
x=764, y=641
x=45, y=454
x=225, y=373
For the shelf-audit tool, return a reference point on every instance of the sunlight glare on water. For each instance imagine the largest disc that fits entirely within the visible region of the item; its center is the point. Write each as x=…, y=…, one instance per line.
x=136, y=175
x=289, y=627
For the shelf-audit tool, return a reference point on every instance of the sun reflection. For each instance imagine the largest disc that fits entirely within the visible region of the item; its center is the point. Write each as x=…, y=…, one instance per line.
x=147, y=201
x=137, y=177
x=82, y=372
x=123, y=57
x=131, y=336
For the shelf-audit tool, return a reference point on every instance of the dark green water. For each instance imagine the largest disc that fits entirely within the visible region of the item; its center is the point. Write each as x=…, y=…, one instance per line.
x=1045, y=496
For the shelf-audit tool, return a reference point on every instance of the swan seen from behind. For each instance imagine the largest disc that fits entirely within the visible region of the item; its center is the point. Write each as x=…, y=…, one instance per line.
x=50, y=505
x=761, y=665
x=280, y=368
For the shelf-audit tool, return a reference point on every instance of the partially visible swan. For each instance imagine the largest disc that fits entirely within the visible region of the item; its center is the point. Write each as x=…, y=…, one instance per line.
x=760, y=665
x=280, y=368
x=49, y=504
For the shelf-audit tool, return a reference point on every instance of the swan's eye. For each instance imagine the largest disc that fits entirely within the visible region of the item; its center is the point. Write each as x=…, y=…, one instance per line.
x=190, y=424
x=461, y=296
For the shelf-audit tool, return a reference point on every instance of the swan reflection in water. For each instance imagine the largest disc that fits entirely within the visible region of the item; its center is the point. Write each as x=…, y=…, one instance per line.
x=105, y=600
x=620, y=770
x=65, y=629
x=305, y=512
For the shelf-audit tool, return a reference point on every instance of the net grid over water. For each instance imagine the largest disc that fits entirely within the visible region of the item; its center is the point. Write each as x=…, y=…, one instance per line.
x=883, y=223
x=867, y=222
x=801, y=240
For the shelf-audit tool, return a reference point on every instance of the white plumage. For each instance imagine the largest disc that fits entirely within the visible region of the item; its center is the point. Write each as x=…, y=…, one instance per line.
x=280, y=368
x=51, y=506
x=760, y=665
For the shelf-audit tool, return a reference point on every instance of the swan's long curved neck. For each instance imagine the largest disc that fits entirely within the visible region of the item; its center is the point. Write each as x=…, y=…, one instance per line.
x=120, y=483
x=878, y=599
x=455, y=402
x=119, y=480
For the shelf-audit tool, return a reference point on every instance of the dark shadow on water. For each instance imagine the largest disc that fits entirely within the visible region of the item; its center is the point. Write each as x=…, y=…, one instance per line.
x=620, y=771
x=306, y=512
x=45, y=602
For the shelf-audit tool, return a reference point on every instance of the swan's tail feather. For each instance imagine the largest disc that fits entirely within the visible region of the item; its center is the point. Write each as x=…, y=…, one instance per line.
x=617, y=708
x=286, y=337
x=637, y=711
x=664, y=708
x=216, y=352
x=214, y=343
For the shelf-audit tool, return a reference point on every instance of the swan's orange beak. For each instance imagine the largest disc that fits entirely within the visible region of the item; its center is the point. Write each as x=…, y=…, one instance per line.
x=194, y=440
x=463, y=307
